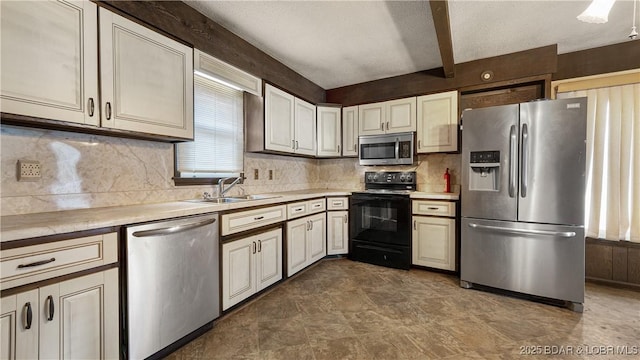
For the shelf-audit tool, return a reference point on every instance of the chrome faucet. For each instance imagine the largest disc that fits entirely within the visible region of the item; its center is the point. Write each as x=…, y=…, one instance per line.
x=221, y=188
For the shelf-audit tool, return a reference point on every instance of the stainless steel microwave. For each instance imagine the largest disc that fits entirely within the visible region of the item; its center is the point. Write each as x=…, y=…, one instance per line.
x=387, y=149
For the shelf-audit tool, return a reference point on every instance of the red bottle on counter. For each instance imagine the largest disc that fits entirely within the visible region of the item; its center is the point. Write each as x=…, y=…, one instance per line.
x=447, y=181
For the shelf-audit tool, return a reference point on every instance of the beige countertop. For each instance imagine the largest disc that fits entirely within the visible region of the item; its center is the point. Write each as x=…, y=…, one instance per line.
x=16, y=227
x=435, y=195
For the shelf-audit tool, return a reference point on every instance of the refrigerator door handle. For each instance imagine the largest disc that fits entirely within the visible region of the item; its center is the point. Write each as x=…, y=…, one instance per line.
x=513, y=141
x=565, y=234
x=525, y=161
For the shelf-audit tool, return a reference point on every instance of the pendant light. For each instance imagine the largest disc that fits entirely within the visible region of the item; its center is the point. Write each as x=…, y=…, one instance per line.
x=597, y=12
x=634, y=33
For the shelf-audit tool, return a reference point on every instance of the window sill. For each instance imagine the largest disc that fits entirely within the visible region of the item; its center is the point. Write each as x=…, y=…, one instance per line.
x=194, y=181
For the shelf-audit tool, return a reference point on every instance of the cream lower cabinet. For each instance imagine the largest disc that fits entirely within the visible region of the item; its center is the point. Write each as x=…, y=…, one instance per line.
x=72, y=319
x=438, y=121
x=434, y=234
x=306, y=242
x=337, y=232
x=250, y=265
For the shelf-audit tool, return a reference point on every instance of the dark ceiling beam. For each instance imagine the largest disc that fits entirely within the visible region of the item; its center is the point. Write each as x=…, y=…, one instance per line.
x=440, y=13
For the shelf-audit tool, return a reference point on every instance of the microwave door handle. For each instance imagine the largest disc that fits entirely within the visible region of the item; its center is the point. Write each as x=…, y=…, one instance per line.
x=397, y=148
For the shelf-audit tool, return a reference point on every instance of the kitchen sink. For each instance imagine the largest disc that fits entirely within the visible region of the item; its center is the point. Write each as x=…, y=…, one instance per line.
x=256, y=197
x=233, y=199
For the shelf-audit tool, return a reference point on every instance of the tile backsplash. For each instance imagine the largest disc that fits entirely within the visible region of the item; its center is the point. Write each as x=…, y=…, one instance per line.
x=85, y=171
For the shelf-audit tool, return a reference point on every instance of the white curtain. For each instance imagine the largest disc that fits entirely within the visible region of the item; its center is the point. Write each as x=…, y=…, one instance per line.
x=613, y=162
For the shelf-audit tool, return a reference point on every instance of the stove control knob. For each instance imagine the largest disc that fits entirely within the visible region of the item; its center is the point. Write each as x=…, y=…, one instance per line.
x=375, y=177
x=369, y=177
x=409, y=178
x=402, y=178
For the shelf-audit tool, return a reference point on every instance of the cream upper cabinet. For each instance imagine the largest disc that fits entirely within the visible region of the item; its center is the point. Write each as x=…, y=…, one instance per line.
x=50, y=60
x=329, y=131
x=438, y=122
x=305, y=127
x=372, y=119
x=72, y=319
x=350, y=131
x=289, y=123
x=401, y=115
x=388, y=117
x=146, y=79
x=278, y=117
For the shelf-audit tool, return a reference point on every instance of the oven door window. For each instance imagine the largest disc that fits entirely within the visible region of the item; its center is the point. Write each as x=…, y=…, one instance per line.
x=378, y=151
x=381, y=220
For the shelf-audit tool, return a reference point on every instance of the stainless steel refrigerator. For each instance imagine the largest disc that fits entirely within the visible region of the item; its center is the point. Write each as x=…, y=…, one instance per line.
x=523, y=176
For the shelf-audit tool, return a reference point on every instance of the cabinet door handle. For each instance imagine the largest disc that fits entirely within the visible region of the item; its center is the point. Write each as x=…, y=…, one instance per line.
x=315, y=206
x=254, y=247
x=108, y=110
x=258, y=218
x=27, y=316
x=338, y=149
x=346, y=219
x=297, y=145
x=387, y=125
x=355, y=147
x=293, y=144
x=92, y=107
x=414, y=225
x=308, y=226
x=432, y=208
x=259, y=245
x=382, y=126
x=51, y=308
x=37, y=263
x=311, y=223
x=419, y=144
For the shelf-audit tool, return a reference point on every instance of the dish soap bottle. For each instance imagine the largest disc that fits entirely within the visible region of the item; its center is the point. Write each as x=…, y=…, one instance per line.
x=447, y=181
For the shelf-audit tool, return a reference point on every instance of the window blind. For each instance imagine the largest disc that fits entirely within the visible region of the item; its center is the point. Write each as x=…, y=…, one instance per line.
x=217, y=149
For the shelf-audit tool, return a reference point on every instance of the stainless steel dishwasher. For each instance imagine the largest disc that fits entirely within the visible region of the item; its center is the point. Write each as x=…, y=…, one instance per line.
x=172, y=282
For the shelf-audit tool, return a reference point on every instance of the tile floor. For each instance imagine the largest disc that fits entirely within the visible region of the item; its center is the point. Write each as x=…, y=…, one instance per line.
x=340, y=309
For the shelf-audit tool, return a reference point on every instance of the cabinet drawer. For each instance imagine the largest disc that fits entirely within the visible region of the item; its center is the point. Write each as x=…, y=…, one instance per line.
x=338, y=203
x=25, y=265
x=436, y=208
x=302, y=208
x=251, y=219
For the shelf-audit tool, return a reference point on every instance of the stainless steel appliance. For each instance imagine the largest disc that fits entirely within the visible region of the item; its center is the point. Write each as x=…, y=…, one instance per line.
x=523, y=193
x=380, y=227
x=389, y=149
x=172, y=282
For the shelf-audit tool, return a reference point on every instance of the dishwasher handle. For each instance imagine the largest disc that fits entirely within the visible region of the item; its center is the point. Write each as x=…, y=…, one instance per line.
x=173, y=229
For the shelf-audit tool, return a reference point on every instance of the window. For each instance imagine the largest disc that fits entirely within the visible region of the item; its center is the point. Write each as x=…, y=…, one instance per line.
x=217, y=149
x=613, y=161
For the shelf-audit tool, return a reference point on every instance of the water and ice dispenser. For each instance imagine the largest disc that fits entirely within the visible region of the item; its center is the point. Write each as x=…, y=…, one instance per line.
x=484, y=174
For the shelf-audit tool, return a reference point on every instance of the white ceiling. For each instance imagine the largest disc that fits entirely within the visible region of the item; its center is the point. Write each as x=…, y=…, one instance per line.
x=338, y=43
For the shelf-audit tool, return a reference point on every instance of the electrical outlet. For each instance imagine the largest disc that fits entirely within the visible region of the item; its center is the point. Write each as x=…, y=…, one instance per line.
x=29, y=170
x=255, y=174
x=270, y=174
